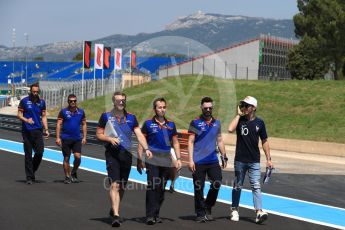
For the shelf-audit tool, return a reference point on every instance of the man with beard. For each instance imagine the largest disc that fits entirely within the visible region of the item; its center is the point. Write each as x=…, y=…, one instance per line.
x=32, y=113
x=161, y=135
x=69, y=121
x=205, y=135
x=115, y=129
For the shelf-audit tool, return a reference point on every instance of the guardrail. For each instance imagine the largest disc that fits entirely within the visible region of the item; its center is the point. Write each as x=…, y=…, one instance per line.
x=12, y=123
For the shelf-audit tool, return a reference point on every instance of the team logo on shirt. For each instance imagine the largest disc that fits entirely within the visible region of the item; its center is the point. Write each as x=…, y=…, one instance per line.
x=257, y=128
x=202, y=126
x=154, y=128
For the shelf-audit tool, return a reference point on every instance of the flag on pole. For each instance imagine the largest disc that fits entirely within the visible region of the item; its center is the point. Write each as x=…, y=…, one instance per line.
x=106, y=57
x=87, y=54
x=118, y=59
x=98, y=56
x=133, y=59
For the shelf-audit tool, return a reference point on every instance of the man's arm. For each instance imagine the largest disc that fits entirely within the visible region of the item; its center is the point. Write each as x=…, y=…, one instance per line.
x=102, y=137
x=233, y=124
x=191, y=164
x=21, y=117
x=84, y=128
x=45, y=123
x=266, y=148
x=58, y=129
x=143, y=142
x=176, y=146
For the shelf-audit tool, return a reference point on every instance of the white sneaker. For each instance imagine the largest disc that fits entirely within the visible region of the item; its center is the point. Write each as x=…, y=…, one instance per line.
x=261, y=216
x=234, y=215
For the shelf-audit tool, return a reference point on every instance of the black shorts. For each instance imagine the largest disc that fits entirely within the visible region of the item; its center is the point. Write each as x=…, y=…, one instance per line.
x=119, y=165
x=69, y=146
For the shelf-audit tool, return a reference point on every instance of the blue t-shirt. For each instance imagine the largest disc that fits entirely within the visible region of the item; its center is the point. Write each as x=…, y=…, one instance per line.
x=247, y=144
x=123, y=127
x=159, y=137
x=71, y=122
x=205, y=143
x=32, y=110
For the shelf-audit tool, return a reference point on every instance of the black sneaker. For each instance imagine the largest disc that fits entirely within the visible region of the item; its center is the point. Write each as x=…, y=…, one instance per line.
x=208, y=215
x=158, y=219
x=200, y=219
x=116, y=221
x=150, y=221
x=29, y=181
x=172, y=189
x=67, y=180
x=74, y=178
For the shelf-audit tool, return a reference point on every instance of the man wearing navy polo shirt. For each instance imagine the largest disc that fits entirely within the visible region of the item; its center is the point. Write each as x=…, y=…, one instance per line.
x=205, y=135
x=161, y=135
x=32, y=113
x=70, y=119
x=248, y=129
x=115, y=129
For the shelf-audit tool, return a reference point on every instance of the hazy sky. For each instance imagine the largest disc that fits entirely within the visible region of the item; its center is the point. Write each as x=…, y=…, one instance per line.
x=47, y=21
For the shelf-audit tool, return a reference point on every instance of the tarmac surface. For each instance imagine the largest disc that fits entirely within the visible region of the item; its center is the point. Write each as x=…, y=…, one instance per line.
x=50, y=204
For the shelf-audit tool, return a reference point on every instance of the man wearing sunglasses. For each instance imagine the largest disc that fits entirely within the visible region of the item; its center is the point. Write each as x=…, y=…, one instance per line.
x=31, y=111
x=69, y=138
x=249, y=128
x=205, y=135
x=115, y=129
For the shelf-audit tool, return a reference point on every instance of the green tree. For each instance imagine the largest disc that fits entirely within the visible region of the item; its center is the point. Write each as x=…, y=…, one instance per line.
x=302, y=58
x=79, y=56
x=322, y=22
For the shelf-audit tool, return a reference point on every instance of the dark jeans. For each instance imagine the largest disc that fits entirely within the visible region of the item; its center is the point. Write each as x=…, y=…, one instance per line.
x=33, y=140
x=214, y=173
x=157, y=177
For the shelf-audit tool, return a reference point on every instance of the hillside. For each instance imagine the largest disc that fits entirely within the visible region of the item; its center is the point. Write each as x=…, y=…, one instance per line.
x=309, y=110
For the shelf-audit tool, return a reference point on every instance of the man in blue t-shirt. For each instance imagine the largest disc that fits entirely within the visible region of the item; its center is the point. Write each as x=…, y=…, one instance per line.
x=69, y=138
x=161, y=135
x=205, y=135
x=248, y=129
x=31, y=111
x=115, y=129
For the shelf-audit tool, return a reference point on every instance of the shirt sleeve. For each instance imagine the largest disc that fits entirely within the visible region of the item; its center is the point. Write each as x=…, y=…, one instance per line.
x=262, y=131
x=83, y=117
x=174, y=131
x=21, y=105
x=43, y=108
x=219, y=129
x=102, y=121
x=144, y=129
x=135, y=122
x=60, y=115
x=192, y=128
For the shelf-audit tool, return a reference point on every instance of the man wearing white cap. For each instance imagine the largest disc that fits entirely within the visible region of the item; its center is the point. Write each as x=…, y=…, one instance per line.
x=248, y=129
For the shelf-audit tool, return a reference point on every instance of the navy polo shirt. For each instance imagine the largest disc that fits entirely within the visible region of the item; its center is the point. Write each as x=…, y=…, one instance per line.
x=205, y=143
x=247, y=144
x=32, y=110
x=123, y=126
x=71, y=122
x=159, y=136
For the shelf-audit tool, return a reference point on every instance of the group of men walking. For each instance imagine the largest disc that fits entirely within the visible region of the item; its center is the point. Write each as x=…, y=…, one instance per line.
x=157, y=137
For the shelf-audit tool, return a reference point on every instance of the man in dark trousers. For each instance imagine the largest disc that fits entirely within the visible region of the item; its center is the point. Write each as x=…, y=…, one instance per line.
x=32, y=113
x=115, y=129
x=69, y=138
x=161, y=135
x=248, y=129
x=205, y=135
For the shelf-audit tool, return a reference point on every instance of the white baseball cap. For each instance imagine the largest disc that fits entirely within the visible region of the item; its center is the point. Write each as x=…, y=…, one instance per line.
x=251, y=101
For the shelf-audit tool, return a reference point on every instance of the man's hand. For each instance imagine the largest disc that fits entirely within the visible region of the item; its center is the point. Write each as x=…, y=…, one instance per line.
x=83, y=141
x=46, y=134
x=114, y=140
x=58, y=141
x=148, y=153
x=269, y=164
x=30, y=121
x=239, y=111
x=178, y=164
x=224, y=159
x=191, y=166
x=140, y=166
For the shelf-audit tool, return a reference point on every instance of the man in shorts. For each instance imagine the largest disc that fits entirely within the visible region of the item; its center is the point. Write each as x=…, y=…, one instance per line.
x=69, y=138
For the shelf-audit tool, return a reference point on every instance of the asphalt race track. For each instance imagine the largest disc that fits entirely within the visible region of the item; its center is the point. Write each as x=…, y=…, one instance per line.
x=50, y=204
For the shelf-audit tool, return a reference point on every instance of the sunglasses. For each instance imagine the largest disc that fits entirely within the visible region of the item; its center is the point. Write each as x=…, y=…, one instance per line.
x=208, y=108
x=123, y=101
x=72, y=101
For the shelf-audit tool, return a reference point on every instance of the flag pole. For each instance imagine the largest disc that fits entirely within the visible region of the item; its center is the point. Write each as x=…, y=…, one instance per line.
x=102, y=81
x=82, y=75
